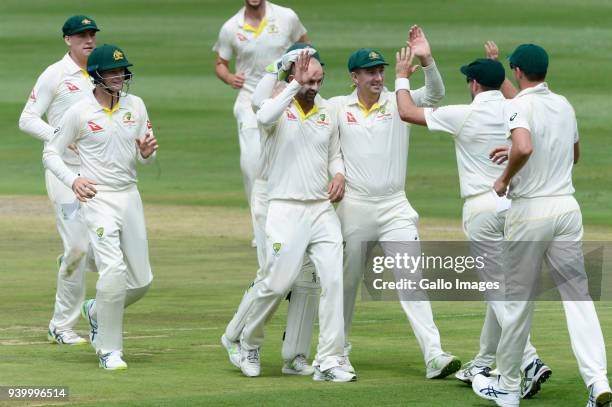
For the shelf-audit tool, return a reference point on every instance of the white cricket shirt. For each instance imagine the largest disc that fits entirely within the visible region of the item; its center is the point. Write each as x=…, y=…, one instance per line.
x=551, y=120
x=59, y=87
x=299, y=147
x=106, y=141
x=477, y=129
x=256, y=47
x=374, y=143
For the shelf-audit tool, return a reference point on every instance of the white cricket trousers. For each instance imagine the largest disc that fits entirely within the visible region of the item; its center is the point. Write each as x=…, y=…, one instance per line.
x=293, y=345
x=385, y=220
x=539, y=229
x=295, y=228
x=484, y=216
x=248, y=139
x=116, y=227
x=71, y=287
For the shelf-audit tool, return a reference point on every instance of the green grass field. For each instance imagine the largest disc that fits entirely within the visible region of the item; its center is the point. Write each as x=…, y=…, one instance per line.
x=197, y=216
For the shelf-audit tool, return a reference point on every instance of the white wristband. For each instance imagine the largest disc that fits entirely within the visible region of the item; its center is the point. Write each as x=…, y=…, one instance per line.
x=402, y=83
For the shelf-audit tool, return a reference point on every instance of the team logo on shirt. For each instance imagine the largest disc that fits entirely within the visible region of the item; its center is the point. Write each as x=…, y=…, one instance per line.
x=290, y=115
x=383, y=114
x=72, y=87
x=350, y=119
x=273, y=29
x=33, y=96
x=322, y=120
x=276, y=247
x=128, y=119
x=94, y=127
x=100, y=233
x=241, y=37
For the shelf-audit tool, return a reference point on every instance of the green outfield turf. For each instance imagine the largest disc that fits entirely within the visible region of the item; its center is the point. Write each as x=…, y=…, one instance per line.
x=197, y=215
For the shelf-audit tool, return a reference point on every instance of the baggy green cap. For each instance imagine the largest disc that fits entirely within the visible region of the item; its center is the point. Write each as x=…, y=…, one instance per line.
x=530, y=58
x=77, y=24
x=365, y=58
x=487, y=72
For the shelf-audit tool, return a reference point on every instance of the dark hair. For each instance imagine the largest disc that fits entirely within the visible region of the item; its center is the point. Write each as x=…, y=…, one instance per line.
x=487, y=88
x=535, y=77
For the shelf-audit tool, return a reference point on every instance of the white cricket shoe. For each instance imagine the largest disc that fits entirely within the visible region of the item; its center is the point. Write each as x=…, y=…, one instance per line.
x=471, y=369
x=345, y=364
x=600, y=395
x=442, y=366
x=298, y=366
x=249, y=362
x=489, y=388
x=534, y=375
x=66, y=337
x=112, y=361
x=333, y=374
x=93, y=324
x=233, y=350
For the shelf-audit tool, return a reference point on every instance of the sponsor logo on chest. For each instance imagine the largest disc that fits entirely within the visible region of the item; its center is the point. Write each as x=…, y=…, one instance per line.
x=71, y=87
x=350, y=118
x=290, y=115
x=94, y=127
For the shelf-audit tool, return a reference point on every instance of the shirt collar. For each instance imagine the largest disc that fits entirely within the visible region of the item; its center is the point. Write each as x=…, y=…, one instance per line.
x=541, y=88
x=488, y=96
x=99, y=108
x=268, y=17
x=72, y=66
x=306, y=115
x=353, y=99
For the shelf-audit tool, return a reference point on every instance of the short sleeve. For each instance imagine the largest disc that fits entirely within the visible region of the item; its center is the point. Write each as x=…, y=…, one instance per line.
x=297, y=28
x=223, y=46
x=515, y=115
x=448, y=119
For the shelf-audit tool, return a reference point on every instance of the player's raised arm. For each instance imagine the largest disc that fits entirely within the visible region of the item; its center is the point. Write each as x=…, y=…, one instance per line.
x=272, y=110
x=507, y=88
x=408, y=110
x=434, y=90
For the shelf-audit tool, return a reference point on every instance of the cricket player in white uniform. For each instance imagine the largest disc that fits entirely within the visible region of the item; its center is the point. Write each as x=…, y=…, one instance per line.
x=477, y=129
x=304, y=295
x=112, y=132
x=301, y=142
x=59, y=87
x=544, y=222
x=258, y=34
x=374, y=144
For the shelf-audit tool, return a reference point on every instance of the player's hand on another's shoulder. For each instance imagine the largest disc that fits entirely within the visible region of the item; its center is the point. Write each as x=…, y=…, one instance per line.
x=491, y=50
x=84, y=188
x=148, y=145
x=335, y=189
x=403, y=63
x=499, y=155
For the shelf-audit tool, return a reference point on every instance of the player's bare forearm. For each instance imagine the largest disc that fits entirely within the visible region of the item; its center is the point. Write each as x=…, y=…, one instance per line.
x=519, y=155
x=223, y=72
x=408, y=111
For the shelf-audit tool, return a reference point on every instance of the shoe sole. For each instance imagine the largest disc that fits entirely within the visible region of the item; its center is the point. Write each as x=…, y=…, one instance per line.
x=604, y=400
x=449, y=369
x=114, y=369
x=537, y=384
